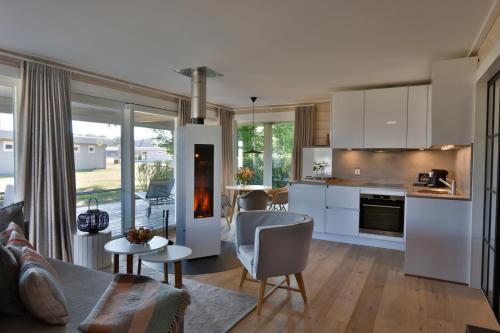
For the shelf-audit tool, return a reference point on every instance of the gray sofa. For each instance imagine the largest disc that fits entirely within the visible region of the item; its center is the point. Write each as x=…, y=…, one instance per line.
x=82, y=287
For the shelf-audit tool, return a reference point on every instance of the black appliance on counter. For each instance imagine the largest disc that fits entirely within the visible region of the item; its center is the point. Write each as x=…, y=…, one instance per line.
x=382, y=215
x=435, y=174
x=431, y=179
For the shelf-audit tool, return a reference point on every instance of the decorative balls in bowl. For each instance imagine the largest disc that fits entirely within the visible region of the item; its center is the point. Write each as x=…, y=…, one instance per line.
x=141, y=235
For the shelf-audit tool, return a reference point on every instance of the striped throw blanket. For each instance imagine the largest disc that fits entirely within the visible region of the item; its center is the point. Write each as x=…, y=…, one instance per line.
x=134, y=303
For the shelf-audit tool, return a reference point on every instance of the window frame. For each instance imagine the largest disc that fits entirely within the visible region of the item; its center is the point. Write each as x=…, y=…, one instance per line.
x=91, y=149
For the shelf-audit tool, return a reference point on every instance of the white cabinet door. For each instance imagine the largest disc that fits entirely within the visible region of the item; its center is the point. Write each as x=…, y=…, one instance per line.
x=347, y=119
x=310, y=200
x=417, y=117
x=453, y=91
x=342, y=221
x=386, y=117
x=342, y=197
x=438, y=238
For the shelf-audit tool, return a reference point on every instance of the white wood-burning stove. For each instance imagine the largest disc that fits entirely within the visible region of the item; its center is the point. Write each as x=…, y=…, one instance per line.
x=198, y=195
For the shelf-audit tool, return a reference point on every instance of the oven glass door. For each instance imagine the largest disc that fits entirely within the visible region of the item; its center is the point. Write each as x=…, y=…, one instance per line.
x=382, y=216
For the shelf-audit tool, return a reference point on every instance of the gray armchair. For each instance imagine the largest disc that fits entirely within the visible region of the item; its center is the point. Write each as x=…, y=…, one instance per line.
x=253, y=200
x=271, y=244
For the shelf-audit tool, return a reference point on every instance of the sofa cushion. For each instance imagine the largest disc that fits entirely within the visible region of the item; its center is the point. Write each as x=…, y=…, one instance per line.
x=5, y=235
x=10, y=303
x=40, y=289
x=12, y=213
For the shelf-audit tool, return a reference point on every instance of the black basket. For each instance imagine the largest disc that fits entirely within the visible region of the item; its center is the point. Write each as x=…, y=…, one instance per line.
x=94, y=220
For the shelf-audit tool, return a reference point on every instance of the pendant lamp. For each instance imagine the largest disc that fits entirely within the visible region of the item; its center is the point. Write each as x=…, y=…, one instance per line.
x=253, y=150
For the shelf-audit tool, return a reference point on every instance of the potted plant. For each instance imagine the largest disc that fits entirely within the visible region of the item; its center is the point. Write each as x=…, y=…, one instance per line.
x=243, y=175
x=319, y=168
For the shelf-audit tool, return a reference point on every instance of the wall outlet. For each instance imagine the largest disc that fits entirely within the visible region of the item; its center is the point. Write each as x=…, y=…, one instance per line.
x=357, y=172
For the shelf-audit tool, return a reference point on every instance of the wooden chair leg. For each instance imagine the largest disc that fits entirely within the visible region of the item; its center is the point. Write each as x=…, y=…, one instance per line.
x=300, y=282
x=262, y=291
x=287, y=278
x=139, y=264
x=243, y=276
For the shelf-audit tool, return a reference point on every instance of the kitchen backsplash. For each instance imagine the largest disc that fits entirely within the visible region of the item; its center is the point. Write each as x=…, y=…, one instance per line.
x=402, y=166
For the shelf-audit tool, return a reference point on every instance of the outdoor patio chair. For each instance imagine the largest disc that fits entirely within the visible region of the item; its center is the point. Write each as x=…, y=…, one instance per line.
x=159, y=193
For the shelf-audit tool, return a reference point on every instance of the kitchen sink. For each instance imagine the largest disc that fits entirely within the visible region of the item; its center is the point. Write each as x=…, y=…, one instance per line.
x=431, y=190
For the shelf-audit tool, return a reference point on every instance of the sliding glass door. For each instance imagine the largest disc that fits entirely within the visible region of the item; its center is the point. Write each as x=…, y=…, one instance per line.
x=154, y=166
x=490, y=283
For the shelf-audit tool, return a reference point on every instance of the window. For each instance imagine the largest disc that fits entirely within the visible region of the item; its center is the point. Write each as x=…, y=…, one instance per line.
x=7, y=104
x=154, y=131
x=252, y=161
x=8, y=146
x=282, y=141
x=98, y=174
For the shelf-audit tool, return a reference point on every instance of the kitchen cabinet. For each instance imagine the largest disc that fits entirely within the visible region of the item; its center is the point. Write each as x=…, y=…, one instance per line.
x=310, y=200
x=385, y=121
x=342, y=221
x=347, y=112
x=438, y=238
x=416, y=136
x=453, y=91
x=342, y=197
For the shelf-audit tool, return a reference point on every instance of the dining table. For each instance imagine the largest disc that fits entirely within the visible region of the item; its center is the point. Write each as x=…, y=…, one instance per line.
x=241, y=189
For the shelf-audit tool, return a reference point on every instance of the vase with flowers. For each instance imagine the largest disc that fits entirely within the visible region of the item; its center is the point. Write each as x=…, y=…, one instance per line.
x=243, y=175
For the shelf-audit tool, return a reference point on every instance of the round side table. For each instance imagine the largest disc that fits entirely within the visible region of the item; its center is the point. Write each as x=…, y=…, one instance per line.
x=122, y=246
x=171, y=253
x=88, y=249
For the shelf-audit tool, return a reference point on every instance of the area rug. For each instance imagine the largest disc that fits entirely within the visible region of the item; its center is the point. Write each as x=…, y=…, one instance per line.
x=212, y=309
x=225, y=261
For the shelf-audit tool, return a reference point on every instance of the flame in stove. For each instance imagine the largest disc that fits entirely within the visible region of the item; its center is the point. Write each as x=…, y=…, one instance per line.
x=202, y=204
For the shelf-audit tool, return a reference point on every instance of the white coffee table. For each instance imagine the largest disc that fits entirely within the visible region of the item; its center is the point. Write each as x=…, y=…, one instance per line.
x=122, y=246
x=171, y=253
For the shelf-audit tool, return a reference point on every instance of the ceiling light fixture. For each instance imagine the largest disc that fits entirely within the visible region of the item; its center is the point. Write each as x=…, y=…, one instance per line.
x=447, y=147
x=391, y=122
x=253, y=150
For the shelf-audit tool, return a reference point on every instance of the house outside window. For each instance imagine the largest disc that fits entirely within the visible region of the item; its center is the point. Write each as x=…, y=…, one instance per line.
x=8, y=146
x=77, y=148
x=91, y=149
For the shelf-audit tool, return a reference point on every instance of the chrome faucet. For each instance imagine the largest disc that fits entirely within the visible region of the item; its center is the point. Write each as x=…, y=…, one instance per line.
x=451, y=184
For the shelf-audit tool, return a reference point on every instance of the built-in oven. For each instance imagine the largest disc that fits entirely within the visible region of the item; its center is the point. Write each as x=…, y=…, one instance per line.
x=382, y=215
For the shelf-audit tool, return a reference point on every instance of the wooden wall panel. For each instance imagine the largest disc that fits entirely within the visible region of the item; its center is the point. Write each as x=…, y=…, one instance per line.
x=322, y=125
x=490, y=40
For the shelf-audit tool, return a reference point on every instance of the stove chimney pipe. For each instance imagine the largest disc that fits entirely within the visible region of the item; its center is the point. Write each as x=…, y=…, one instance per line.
x=198, y=95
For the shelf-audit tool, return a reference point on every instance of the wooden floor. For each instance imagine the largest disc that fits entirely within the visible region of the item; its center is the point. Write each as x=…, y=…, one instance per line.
x=360, y=289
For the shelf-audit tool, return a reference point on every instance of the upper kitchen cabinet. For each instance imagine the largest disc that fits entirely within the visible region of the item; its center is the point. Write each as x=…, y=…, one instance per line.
x=347, y=119
x=416, y=136
x=386, y=113
x=452, y=107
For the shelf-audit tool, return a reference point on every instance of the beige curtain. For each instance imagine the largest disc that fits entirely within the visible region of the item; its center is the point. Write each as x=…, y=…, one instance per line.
x=303, y=136
x=45, y=160
x=226, y=121
x=184, y=113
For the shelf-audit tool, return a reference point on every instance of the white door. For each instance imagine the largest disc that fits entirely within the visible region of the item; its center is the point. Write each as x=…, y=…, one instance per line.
x=385, y=118
x=417, y=117
x=347, y=119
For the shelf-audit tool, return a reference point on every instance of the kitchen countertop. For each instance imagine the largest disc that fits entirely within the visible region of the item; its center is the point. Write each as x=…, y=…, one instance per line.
x=408, y=188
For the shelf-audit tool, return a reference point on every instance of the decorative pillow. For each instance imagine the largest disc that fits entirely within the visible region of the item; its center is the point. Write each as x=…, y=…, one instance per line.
x=41, y=290
x=5, y=235
x=17, y=239
x=12, y=213
x=10, y=303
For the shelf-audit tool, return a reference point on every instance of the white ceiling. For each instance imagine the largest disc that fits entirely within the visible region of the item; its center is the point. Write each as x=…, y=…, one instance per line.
x=284, y=51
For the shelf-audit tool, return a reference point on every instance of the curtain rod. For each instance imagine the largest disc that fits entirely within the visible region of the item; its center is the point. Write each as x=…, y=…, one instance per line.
x=75, y=70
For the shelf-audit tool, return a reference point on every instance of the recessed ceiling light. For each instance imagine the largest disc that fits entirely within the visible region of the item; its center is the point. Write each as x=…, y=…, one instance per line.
x=391, y=122
x=421, y=149
x=349, y=149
